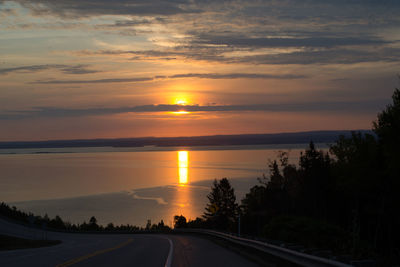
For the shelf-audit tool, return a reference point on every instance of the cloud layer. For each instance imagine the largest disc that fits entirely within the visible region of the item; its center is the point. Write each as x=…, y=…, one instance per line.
x=66, y=69
x=177, y=76
x=317, y=106
x=74, y=8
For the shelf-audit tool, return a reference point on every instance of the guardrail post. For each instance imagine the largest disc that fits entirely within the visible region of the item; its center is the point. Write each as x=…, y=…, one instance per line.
x=239, y=225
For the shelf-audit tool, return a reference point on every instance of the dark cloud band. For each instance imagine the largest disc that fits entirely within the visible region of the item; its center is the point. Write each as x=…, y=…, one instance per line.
x=66, y=69
x=363, y=106
x=177, y=76
x=85, y=8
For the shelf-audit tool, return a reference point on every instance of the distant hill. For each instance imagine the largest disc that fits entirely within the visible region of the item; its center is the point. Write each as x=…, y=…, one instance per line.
x=215, y=140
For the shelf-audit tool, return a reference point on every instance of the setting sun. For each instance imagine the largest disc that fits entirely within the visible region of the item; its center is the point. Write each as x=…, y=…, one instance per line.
x=181, y=102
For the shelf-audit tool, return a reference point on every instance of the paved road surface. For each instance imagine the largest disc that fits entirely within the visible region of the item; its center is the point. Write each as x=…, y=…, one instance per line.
x=117, y=250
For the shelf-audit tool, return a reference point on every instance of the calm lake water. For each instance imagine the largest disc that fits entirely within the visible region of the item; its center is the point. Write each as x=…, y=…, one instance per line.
x=128, y=185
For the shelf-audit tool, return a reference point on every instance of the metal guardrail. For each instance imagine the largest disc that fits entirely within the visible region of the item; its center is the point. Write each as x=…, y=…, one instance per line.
x=280, y=252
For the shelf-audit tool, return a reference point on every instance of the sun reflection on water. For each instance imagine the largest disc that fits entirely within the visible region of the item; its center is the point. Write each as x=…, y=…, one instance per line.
x=183, y=166
x=182, y=201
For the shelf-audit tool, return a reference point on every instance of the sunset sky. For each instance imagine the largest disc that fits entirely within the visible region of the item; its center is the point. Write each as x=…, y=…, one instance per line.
x=74, y=69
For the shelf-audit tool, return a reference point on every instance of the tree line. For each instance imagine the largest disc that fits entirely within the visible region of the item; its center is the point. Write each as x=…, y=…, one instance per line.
x=57, y=223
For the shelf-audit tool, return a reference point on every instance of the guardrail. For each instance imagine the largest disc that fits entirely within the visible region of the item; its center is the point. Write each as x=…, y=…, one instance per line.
x=280, y=252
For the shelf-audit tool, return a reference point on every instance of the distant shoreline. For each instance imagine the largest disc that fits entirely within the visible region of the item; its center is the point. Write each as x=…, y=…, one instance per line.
x=194, y=141
x=72, y=150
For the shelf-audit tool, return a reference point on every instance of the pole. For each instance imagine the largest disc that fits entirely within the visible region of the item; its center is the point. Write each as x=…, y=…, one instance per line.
x=239, y=226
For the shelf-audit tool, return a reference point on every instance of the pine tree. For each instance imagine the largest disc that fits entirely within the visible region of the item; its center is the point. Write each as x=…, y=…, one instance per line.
x=222, y=210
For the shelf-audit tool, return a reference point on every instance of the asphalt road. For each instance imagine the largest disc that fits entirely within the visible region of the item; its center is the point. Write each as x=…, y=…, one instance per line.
x=117, y=250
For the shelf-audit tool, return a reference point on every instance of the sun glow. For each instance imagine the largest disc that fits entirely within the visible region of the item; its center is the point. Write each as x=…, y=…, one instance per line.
x=180, y=112
x=181, y=102
x=181, y=99
x=183, y=166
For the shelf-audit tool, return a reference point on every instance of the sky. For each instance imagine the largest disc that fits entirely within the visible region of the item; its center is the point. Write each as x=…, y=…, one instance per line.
x=82, y=69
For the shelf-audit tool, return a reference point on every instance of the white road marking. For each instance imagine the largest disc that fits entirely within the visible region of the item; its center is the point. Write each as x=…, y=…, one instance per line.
x=171, y=250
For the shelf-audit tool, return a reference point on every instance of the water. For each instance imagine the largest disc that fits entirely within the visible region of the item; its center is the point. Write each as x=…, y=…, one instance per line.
x=128, y=185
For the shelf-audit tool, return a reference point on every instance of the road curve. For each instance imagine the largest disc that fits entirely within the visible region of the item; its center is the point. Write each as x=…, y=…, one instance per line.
x=118, y=250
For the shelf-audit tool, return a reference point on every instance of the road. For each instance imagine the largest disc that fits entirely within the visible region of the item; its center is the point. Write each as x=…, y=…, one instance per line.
x=117, y=250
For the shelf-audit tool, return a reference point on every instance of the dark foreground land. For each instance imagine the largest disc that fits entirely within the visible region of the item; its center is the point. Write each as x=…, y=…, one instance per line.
x=11, y=242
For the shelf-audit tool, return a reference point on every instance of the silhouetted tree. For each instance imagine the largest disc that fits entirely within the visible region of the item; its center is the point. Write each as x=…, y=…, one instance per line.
x=222, y=210
x=93, y=220
x=56, y=223
x=197, y=223
x=109, y=227
x=353, y=191
x=180, y=221
x=148, y=225
x=276, y=195
x=358, y=183
x=316, y=182
x=255, y=211
x=93, y=223
x=387, y=128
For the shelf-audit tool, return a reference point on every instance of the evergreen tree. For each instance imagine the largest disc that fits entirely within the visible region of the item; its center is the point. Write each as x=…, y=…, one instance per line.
x=93, y=223
x=179, y=221
x=222, y=210
x=387, y=128
x=148, y=225
x=316, y=182
x=110, y=227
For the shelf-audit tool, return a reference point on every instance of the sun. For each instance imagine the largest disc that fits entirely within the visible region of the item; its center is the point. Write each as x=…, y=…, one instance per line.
x=181, y=101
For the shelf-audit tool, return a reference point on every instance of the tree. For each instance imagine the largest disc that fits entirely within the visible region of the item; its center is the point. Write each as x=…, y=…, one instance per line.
x=93, y=223
x=93, y=220
x=316, y=181
x=254, y=209
x=57, y=223
x=179, y=221
x=197, y=223
x=222, y=210
x=274, y=197
x=148, y=225
x=387, y=128
x=110, y=227
x=358, y=183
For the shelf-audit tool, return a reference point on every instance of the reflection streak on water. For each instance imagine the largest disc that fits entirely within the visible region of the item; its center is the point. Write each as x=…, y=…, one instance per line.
x=182, y=200
x=183, y=165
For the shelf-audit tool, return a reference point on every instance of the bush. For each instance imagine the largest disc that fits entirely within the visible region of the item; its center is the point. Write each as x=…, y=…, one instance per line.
x=308, y=232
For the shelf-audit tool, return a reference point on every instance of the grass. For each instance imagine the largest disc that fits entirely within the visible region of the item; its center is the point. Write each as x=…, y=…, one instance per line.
x=10, y=243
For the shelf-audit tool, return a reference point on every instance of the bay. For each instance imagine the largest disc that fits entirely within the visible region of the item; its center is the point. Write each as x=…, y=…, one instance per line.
x=129, y=185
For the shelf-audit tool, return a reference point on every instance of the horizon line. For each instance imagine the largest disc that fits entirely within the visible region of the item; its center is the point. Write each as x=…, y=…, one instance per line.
x=172, y=137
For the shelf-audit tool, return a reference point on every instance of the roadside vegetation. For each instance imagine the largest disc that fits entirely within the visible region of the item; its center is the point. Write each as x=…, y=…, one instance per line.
x=56, y=223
